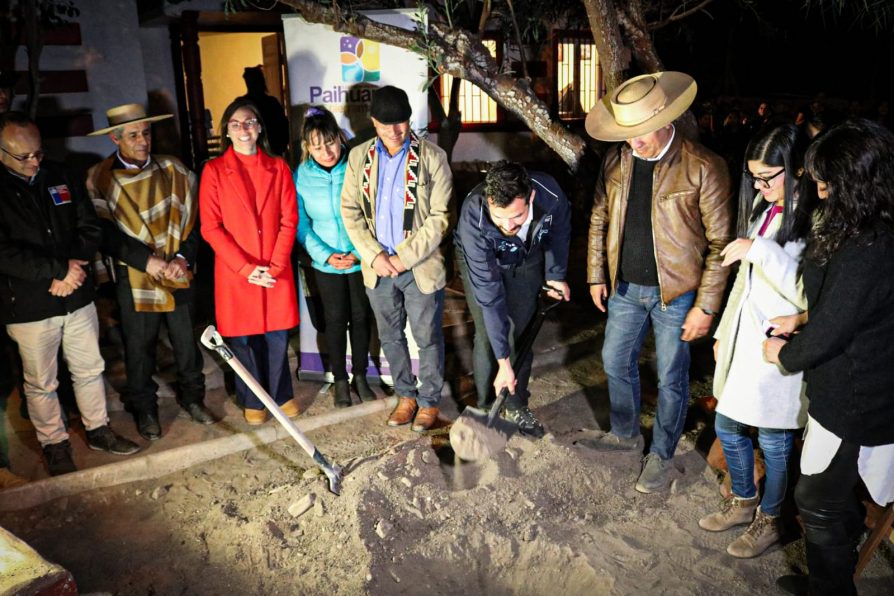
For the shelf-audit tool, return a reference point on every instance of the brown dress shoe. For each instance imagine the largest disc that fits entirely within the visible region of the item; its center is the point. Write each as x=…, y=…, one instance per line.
x=255, y=417
x=290, y=408
x=425, y=419
x=403, y=413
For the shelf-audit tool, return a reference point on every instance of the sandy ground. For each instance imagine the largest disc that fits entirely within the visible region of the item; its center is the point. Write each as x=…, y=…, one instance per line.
x=541, y=517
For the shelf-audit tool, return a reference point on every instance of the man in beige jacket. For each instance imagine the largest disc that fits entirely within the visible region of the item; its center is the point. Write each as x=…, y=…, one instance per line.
x=395, y=204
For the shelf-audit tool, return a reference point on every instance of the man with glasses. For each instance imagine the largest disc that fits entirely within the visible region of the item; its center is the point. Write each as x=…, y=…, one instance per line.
x=513, y=234
x=48, y=236
x=661, y=216
x=147, y=206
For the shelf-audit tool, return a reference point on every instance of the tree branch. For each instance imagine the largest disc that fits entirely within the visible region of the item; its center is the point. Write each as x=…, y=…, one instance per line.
x=679, y=13
x=460, y=54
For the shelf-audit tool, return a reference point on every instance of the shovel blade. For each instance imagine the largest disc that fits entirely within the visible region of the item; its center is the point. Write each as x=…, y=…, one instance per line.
x=473, y=440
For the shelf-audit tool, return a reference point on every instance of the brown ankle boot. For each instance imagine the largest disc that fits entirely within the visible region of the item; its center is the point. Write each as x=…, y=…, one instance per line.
x=733, y=512
x=403, y=413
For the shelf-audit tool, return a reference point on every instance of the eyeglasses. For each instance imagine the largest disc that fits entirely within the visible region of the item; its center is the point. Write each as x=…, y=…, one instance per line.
x=236, y=126
x=38, y=155
x=765, y=182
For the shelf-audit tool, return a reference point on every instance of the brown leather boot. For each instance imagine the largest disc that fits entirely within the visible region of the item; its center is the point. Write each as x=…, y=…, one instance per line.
x=403, y=413
x=425, y=419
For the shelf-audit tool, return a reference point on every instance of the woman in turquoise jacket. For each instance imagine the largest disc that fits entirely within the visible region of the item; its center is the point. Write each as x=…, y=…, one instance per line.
x=336, y=265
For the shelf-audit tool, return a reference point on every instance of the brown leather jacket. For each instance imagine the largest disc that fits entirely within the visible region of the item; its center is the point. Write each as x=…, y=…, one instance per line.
x=692, y=220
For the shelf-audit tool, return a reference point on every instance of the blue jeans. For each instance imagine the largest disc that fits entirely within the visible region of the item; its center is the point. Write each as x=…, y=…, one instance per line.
x=776, y=444
x=394, y=301
x=632, y=309
x=267, y=359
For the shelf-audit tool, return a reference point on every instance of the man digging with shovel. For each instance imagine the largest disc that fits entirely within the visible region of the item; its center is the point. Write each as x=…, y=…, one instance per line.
x=513, y=234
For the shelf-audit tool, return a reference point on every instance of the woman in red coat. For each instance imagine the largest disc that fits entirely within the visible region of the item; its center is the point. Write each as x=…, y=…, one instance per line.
x=249, y=215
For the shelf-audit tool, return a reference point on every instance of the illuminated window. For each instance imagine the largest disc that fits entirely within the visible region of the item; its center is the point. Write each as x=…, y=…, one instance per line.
x=578, y=75
x=475, y=105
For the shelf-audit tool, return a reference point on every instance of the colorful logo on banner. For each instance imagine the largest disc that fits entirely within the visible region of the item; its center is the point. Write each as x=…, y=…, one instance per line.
x=359, y=60
x=60, y=195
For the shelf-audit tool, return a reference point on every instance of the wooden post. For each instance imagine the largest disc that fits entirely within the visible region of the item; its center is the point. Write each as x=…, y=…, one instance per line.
x=195, y=97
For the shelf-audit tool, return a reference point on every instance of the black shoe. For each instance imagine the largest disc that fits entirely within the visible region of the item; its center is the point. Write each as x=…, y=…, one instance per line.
x=342, y=394
x=58, y=456
x=364, y=391
x=148, y=425
x=199, y=413
x=105, y=439
x=798, y=585
x=526, y=421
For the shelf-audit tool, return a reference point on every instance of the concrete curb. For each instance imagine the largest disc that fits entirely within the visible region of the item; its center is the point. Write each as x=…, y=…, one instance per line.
x=172, y=460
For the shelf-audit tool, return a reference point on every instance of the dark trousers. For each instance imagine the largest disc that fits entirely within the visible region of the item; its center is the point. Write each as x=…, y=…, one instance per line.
x=833, y=520
x=521, y=286
x=266, y=357
x=140, y=343
x=345, y=310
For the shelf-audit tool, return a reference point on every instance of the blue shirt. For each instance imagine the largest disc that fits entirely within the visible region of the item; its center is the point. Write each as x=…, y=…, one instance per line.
x=390, y=196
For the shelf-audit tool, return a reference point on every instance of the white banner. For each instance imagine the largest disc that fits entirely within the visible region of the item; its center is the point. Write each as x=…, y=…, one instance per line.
x=340, y=72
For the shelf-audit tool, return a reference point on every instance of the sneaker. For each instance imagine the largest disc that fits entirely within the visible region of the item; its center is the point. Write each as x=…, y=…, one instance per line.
x=760, y=535
x=105, y=439
x=58, y=456
x=655, y=475
x=612, y=442
x=733, y=512
x=525, y=420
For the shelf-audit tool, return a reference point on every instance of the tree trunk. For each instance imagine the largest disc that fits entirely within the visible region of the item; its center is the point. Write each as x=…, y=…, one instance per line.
x=603, y=18
x=633, y=22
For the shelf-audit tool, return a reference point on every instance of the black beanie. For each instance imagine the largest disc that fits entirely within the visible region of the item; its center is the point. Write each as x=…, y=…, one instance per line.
x=390, y=105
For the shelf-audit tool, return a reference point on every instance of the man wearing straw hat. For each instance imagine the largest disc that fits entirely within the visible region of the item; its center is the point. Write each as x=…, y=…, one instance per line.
x=147, y=204
x=661, y=216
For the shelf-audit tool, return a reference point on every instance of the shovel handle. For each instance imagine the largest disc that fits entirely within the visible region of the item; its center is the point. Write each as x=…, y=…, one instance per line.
x=496, y=407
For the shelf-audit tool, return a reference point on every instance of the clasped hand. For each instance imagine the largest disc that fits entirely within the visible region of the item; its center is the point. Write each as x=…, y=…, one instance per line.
x=260, y=277
x=74, y=279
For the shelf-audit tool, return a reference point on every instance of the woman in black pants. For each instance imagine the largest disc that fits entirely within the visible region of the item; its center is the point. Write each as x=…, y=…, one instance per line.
x=846, y=349
x=321, y=231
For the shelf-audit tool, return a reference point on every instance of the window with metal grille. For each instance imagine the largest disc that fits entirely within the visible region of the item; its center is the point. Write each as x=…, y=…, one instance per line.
x=475, y=105
x=578, y=74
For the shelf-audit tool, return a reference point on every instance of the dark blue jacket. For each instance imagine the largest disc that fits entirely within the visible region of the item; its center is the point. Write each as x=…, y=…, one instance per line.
x=42, y=226
x=488, y=252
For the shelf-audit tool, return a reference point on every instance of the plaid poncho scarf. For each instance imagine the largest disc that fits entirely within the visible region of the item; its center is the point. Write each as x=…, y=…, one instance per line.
x=155, y=205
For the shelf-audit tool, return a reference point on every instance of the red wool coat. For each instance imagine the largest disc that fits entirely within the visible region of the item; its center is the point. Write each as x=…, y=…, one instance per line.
x=246, y=231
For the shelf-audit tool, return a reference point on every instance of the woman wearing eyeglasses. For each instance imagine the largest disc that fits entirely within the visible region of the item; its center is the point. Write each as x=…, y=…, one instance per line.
x=846, y=349
x=752, y=393
x=248, y=214
x=321, y=231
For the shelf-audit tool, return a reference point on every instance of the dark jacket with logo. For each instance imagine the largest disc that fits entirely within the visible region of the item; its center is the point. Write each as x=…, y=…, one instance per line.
x=42, y=226
x=488, y=252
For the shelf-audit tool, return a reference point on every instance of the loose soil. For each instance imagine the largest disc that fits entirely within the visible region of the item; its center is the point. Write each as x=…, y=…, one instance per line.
x=542, y=517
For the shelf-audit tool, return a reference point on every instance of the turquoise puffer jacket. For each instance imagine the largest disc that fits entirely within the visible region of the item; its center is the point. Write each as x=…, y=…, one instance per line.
x=321, y=230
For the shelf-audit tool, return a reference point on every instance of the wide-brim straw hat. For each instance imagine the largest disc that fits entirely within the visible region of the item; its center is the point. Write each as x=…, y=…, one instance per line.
x=129, y=113
x=641, y=105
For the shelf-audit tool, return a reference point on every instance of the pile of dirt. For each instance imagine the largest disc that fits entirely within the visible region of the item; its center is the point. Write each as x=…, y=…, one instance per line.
x=541, y=517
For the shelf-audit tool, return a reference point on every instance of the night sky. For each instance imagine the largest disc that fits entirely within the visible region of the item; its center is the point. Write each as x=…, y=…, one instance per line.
x=788, y=53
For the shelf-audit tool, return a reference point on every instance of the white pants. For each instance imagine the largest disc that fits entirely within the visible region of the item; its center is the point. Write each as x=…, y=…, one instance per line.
x=39, y=341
